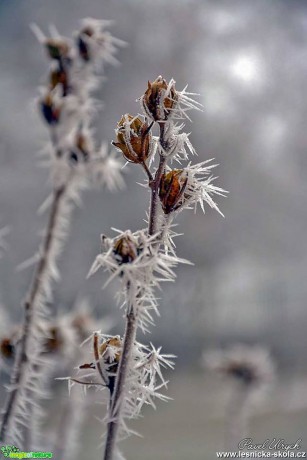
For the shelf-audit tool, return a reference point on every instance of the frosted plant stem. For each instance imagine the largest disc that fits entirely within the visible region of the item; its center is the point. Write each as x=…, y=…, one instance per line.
x=131, y=321
x=237, y=418
x=118, y=395
x=23, y=352
x=153, y=212
x=68, y=434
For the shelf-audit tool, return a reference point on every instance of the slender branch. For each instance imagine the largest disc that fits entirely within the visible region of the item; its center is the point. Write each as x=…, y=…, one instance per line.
x=147, y=171
x=131, y=321
x=154, y=204
x=87, y=383
x=237, y=417
x=67, y=435
x=117, y=399
x=23, y=351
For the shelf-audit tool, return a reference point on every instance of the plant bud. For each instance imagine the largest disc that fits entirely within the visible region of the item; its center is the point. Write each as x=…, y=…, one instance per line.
x=125, y=250
x=111, y=350
x=83, y=47
x=59, y=77
x=7, y=348
x=54, y=342
x=81, y=149
x=157, y=101
x=113, y=342
x=133, y=139
x=171, y=189
x=242, y=372
x=57, y=48
x=50, y=111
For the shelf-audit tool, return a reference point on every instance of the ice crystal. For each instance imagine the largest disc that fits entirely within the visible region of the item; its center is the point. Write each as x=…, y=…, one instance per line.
x=139, y=262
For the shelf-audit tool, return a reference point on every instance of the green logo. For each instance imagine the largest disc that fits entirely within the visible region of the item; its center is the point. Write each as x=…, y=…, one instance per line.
x=14, y=452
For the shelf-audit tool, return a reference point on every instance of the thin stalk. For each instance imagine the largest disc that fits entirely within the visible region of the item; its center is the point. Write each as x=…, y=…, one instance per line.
x=154, y=203
x=67, y=436
x=118, y=395
x=237, y=417
x=35, y=290
x=131, y=320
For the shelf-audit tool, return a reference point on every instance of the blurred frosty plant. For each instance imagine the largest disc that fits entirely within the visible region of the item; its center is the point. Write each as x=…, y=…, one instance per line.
x=67, y=108
x=251, y=369
x=142, y=260
x=248, y=365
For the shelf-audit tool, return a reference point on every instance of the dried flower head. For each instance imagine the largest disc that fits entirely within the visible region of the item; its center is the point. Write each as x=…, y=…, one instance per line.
x=161, y=101
x=133, y=139
x=7, y=348
x=125, y=249
x=80, y=150
x=250, y=365
x=50, y=108
x=54, y=341
x=171, y=189
x=59, y=77
x=110, y=349
x=57, y=48
x=141, y=265
x=95, y=42
x=83, y=42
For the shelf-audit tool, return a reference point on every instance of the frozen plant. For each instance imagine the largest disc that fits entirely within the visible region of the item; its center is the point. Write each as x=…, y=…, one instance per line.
x=251, y=370
x=67, y=109
x=142, y=260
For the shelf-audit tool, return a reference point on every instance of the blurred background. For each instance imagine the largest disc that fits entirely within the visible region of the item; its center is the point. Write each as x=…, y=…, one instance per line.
x=248, y=61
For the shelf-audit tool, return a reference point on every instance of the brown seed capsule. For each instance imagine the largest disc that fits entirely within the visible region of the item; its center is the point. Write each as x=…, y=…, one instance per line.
x=57, y=48
x=50, y=111
x=171, y=189
x=114, y=342
x=54, y=342
x=59, y=77
x=156, y=103
x=83, y=47
x=242, y=372
x=125, y=250
x=133, y=139
x=80, y=150
x=7, y=348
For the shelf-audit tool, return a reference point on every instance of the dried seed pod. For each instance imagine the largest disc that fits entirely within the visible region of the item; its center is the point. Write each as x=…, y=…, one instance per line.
x=59, y=77
x=80, y=149
x=116, y=344
x=125, y=250
x=134, y=139
x=159, y=99
x=171, y=189
x=57, y=48
x=83, y=47
x=7, y=348
x=243, y=373
x=54, y=342
x=50, y=110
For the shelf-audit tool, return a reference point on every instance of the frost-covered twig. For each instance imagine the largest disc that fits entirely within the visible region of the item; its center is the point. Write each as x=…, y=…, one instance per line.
x=67, y=108
x=72, y=417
